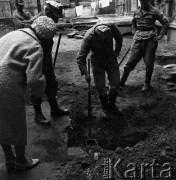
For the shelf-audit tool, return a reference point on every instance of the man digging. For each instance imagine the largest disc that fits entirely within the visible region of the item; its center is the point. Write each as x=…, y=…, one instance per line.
x=99, y=42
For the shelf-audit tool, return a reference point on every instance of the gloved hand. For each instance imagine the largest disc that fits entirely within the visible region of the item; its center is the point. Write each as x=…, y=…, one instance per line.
x=157, y=38
x=88, y=78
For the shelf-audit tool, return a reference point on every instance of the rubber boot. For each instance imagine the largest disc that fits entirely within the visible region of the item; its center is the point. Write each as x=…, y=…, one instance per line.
x=105, y=106
x=112, y=100
x=39, y=117
x=124, y=77
x=56, y=111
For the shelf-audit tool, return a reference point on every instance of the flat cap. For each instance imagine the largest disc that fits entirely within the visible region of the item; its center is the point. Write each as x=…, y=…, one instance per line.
x=20, y=2
x=55, y=7
x=44, y=27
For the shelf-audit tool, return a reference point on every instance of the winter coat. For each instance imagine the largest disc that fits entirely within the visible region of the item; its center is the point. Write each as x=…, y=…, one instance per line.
x=20, y=64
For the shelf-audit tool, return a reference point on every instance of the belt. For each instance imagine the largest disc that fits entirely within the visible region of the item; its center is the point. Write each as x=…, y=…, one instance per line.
x=145, y=28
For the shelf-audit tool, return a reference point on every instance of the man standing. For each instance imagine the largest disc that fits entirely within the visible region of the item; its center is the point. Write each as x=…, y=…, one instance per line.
x=52, y=10
x=145, y=40
x=21, y=17
x=99, y=41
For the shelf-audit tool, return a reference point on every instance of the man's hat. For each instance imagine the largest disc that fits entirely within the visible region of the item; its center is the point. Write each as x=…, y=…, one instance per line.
x=20, y=2
x=44, y=27
x=55, y=7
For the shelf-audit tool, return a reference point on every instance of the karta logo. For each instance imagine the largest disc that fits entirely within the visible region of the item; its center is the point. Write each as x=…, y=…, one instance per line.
x=113, y=168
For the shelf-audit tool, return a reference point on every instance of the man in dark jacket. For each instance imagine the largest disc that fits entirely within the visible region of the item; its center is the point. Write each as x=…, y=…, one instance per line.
x=99, y=41
x=145, y=40
x=52, y=10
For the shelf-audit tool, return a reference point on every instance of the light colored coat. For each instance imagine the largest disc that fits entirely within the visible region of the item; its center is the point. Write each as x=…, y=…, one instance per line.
x=20, y=64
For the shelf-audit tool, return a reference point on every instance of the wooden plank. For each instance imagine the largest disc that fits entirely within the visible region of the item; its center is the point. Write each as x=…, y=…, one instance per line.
x=4, y=0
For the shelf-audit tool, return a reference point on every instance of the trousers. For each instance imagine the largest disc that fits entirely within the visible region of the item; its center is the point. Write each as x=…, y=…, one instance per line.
x=142, y=49
x=50, y=90
x=112, y=70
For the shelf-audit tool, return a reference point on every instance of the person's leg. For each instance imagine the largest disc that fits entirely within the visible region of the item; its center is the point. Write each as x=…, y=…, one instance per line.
x=51, y=91
x=99, y=79
x=21, y=162
x=39, y=117
x=149, y=47
x=9, y=156
x=134, y=57
x=114, y=81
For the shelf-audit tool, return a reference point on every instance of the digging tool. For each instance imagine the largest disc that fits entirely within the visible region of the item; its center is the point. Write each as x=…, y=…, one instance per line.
x=57, y=48
x=90, y=141
x=124, y=56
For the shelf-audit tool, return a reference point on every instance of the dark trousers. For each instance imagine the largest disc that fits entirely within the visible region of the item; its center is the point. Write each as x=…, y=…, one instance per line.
x=112, y=70
x=51, y=89
x=145, y=49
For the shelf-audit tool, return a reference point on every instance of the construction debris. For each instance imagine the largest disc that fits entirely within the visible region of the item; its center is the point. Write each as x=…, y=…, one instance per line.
x=72, y=34
x=76, y=34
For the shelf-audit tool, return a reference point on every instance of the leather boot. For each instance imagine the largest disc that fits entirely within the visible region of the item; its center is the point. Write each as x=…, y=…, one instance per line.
x=112, y=100
x=146, y=86
x=39, y=117
x=105, y=105
x=104, y=101
x=56, y=111
x=9, y=156
x=124, y=77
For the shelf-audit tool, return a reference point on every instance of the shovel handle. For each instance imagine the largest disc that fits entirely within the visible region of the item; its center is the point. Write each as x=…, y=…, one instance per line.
x=89, y=95
x=124, y=56
x=58, y=43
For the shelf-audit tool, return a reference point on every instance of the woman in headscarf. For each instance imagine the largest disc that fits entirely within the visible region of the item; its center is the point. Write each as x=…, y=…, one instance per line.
x=21, y=57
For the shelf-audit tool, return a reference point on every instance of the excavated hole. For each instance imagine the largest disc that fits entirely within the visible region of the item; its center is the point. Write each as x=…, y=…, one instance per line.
x=137, y=123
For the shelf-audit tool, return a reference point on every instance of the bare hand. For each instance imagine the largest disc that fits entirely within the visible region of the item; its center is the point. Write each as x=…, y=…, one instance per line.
x=133, y=31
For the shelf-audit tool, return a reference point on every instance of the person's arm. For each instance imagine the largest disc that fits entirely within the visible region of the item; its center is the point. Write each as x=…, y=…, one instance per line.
x=20, y=23
x=35, y=78
x=118, y=38
x=164, y=21
x=28, y=14
x=82, y=55
x=134, y=24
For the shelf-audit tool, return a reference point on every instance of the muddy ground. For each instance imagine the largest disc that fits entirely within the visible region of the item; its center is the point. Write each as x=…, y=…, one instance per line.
x=143, y=136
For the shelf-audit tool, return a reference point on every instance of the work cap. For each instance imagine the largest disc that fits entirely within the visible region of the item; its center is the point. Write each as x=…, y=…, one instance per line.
x=55, y=7
x=20, y=2
x=44, y=27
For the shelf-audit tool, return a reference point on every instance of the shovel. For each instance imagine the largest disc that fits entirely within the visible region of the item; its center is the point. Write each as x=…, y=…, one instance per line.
x=90, y=141
x=124, y=56
x=57, y=48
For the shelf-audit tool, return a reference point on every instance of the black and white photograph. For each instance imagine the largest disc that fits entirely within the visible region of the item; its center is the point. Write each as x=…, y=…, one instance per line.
x=87, y=89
